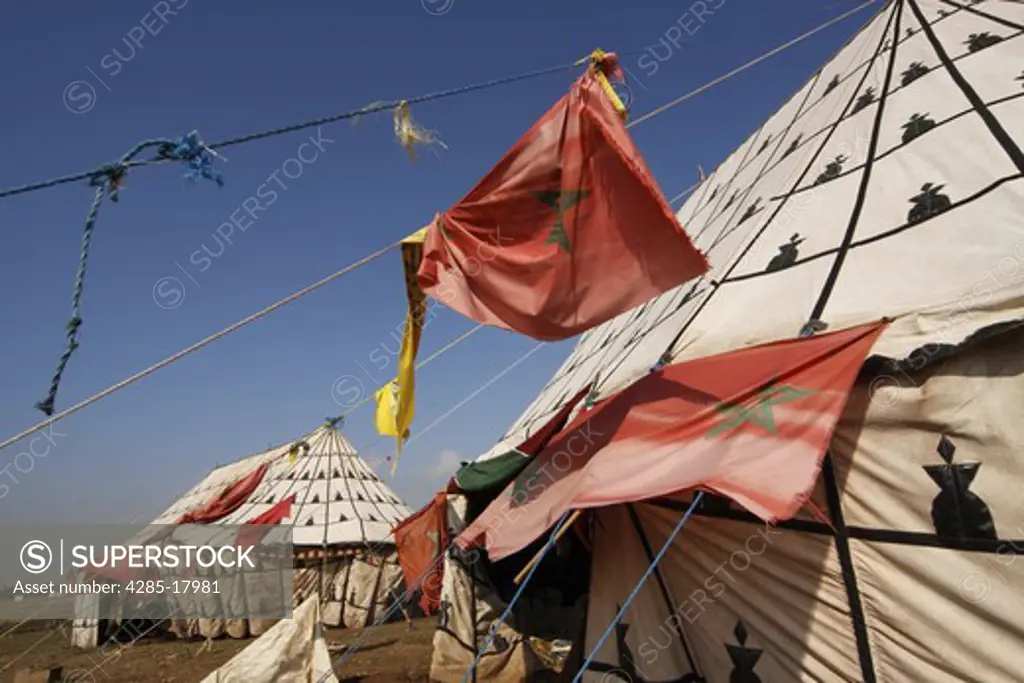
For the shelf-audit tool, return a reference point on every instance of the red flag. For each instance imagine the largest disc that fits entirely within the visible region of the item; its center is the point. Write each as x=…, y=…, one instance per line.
x=227, y=501
x=533, y=445
x=249, y=536
x=751, y=424
x=420, y=541
x=567, y=231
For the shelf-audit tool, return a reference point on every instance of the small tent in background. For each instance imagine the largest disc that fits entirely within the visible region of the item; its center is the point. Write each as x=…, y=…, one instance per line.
x=890, y=185
x=341, y=514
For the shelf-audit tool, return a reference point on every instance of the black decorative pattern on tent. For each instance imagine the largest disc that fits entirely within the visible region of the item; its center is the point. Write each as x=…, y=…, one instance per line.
x=781, y=205
x=915, y=127
x=864, y=101
x=956, y=511
x=986, y=15
x=744, y=162
x=929, y=203
x=993, y=124
x=832, y=170
x=918, y=125
x=977, y=42
x=817, y=314
x=787, y=256
x=892, y=91
x=625, y=670
x=912, y=73
x=744, y=659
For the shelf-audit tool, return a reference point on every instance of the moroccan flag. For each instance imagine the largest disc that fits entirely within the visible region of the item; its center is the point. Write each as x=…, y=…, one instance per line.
x=569, y=230
x=751, y=424
x=249, y=536
x=395, y=401
x=420, y=540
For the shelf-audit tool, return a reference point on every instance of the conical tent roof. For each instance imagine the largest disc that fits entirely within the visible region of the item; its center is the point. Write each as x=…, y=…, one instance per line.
x=339, y=499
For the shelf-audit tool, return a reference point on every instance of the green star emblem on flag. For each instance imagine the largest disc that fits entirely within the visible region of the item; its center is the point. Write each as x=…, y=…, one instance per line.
x=760, y=413
x=436, y=538
x=561, y=201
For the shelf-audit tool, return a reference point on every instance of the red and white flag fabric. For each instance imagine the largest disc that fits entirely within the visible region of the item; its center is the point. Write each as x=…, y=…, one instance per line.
x=752, y=425
x=420, y=541
x=256, y=528
x=569, y=230
x=232, y=497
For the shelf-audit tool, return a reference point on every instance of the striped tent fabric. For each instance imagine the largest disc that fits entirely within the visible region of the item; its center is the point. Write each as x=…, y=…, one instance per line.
x=339, y=499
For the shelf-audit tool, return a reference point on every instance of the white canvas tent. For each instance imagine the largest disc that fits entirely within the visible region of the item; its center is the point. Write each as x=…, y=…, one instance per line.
x=341, y=520
x=292, y=651
x=891, y=184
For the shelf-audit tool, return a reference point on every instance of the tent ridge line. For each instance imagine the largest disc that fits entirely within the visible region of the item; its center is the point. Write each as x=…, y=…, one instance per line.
x=981, y=13
x=1004, y=139
x=807, y=169
x=842, y=545
x=825, y=294
x=809, y=81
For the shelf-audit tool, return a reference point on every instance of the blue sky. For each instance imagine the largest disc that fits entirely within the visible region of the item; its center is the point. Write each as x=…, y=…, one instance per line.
x=230, y=68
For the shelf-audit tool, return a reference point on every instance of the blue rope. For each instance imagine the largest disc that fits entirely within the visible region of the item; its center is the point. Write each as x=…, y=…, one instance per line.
x=639, y=585
x=108, y=180
x=356, y=113
x=46, y=405
x=190, y=149
x=508, y=610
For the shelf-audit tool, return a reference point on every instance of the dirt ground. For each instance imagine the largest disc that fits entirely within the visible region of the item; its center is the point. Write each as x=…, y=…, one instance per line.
x=390, y=653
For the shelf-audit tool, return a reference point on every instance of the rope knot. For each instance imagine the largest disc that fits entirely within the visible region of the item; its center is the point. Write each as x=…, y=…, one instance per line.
x=73, y=324
x=191, y=150
x=112, y=178
x=46, y=406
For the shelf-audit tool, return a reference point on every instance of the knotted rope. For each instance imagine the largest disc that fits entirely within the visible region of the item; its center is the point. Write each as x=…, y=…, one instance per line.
x=109, y=180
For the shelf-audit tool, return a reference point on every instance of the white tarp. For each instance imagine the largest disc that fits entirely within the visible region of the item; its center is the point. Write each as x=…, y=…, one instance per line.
x=292, y=651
